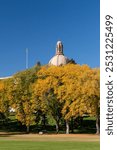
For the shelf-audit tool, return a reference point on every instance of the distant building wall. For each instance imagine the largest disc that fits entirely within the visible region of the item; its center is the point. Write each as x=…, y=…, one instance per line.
x=1, y=78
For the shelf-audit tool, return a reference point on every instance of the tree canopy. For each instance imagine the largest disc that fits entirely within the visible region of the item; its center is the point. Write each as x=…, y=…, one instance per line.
x=65, y=92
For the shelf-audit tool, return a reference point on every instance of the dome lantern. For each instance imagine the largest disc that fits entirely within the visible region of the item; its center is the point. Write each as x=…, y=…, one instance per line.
x=59, y=48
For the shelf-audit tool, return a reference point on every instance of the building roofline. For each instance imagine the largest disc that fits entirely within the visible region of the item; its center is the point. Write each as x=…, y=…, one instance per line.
x=1, y=78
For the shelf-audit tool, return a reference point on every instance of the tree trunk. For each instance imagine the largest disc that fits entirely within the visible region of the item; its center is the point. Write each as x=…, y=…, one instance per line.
x=28, y=128
x=67, y=127
x=72, y=125
x=97, y=125
x=44, y=122
x=57, y=126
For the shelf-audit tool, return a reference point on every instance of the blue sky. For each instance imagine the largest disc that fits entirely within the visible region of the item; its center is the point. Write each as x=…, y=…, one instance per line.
x=39, y=24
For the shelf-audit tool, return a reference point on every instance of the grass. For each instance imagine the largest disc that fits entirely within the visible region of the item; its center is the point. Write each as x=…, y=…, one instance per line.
x=48, y=145
x=12, y=137
x=17, y=141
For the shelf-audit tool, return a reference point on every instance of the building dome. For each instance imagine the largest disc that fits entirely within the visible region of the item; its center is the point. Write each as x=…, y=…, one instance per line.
x=59, y=58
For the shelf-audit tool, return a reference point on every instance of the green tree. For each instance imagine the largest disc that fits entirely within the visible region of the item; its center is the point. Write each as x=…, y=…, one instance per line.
x=21, y=95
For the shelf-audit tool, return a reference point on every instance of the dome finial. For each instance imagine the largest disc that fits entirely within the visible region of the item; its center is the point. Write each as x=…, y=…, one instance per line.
x=59, y=48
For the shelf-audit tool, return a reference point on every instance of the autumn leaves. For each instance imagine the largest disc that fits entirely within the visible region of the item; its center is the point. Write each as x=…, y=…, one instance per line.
x=64, y=92
x=68, y=91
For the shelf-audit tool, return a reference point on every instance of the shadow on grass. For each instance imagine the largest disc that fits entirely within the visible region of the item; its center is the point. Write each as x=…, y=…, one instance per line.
x=8, y=134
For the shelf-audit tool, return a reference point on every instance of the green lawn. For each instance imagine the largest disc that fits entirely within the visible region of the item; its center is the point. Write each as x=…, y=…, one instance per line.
x=34, y=145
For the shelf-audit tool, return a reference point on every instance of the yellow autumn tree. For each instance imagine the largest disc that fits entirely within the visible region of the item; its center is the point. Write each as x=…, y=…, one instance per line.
x=45, y=92
x=91, y=92
x=70, y=92
x=74, y=88
x=4, y=103
x=80, y=92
